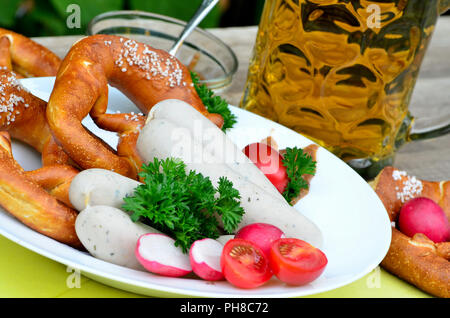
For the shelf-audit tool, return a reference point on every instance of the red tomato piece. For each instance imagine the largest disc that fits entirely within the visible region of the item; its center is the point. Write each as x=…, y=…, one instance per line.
x=244, y=264
x=296, y=262
x=270, y=162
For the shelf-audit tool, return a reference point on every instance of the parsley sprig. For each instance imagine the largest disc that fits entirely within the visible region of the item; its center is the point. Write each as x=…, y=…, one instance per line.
x=297, y=163
x=214, y=104
x=183, y=205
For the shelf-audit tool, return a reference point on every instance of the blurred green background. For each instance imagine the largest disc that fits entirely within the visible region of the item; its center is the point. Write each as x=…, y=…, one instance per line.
x=48, y=17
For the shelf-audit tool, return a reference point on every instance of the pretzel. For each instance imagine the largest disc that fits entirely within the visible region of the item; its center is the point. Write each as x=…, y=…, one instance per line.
x=21, y=113
x=37, y=198
x=26, y=57
x=5, y=55
x=30, y=203
x=55, y=179
x=144, y=74
x=418, y=260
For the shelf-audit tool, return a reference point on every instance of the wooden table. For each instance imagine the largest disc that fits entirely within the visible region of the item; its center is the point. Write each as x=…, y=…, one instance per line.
x=429, y=159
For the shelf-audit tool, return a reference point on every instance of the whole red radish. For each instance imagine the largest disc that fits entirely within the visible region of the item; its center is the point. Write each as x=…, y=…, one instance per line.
x=422, y=215
x=260, y=234
x=270, y=162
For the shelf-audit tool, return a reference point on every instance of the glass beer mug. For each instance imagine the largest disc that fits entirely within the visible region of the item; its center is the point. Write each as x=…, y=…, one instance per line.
x=341, y=72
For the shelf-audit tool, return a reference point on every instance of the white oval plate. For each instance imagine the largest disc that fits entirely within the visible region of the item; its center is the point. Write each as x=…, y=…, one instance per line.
x=353, y=220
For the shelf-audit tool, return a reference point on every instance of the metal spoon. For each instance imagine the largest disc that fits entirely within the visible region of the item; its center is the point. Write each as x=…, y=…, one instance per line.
x=201, y=13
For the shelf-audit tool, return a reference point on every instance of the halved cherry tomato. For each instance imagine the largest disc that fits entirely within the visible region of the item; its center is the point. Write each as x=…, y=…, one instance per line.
x=296, y=262
x=244, y=264
x=270, y=162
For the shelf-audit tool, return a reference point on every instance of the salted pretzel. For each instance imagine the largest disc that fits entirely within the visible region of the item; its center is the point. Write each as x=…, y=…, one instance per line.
x=144, y=74
x=37, y=198
x=26, y=57
x=418, y=260
x=55, y=179
x=21, y=113
x=30, y=203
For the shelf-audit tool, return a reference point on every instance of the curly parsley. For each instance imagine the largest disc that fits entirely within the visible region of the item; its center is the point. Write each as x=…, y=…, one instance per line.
x=214, y=104
x=297, y=164
x=183, y=205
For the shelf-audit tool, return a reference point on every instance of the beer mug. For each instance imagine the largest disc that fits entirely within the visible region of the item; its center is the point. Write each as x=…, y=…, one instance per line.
x=341, y=72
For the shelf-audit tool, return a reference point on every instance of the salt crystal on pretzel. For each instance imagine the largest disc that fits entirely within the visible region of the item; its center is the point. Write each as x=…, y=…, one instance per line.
x=411, y=186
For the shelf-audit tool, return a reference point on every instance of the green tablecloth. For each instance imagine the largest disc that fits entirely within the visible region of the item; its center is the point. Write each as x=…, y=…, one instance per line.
x=24, y=273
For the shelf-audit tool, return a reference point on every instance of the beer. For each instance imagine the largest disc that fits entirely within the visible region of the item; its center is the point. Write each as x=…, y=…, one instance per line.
x=340, y=72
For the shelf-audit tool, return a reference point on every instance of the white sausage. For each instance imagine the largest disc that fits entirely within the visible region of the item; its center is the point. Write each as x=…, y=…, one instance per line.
x=158, y=139
x=110, y=235
x=210, y=137
x=100, y=187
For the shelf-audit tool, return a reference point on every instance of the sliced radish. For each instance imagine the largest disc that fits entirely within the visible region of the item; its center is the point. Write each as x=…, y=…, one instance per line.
x=260, y=234
x=205, y=259
x=159, y=255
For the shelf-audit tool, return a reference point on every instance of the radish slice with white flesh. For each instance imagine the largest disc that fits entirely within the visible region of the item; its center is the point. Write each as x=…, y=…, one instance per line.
x=205, y=259
x=159, y=255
